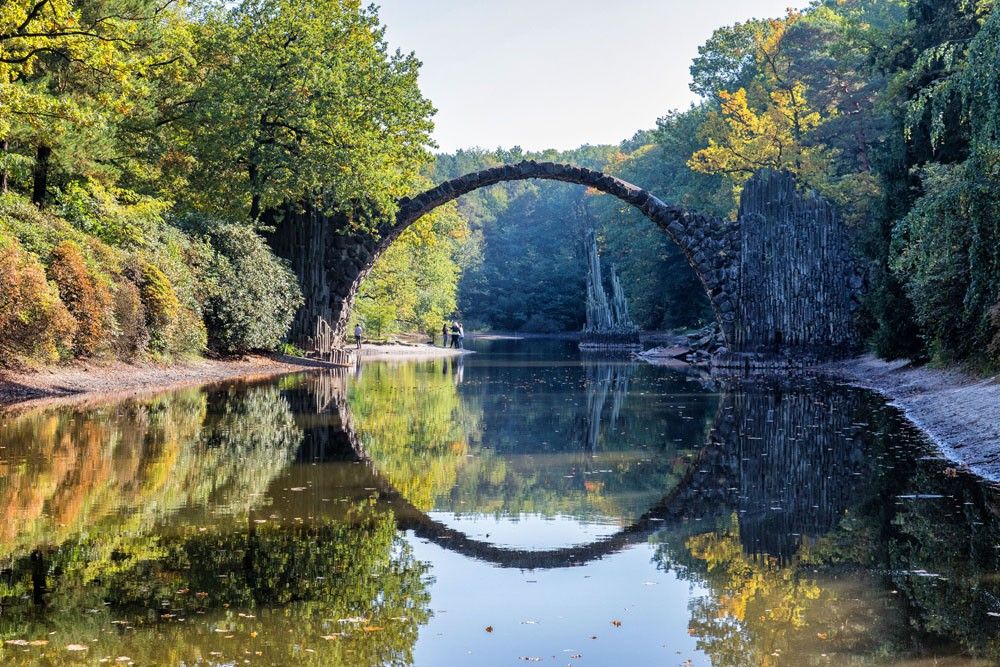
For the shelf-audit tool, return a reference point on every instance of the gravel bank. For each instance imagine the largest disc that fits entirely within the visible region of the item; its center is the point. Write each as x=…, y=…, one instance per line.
x=119, y=378
x=960, y=413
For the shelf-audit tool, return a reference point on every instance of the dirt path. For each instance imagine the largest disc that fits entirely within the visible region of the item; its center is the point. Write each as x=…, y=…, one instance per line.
x=960, y=413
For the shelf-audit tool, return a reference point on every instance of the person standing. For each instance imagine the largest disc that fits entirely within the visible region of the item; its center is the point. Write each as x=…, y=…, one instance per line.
x=444, y=334
x=454, y=334
x=461, y=336
x=358, y=331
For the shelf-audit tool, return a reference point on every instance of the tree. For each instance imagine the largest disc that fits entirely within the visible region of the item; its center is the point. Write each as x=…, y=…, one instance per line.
x=302, y=102
x=75, y=80
x=766, y=124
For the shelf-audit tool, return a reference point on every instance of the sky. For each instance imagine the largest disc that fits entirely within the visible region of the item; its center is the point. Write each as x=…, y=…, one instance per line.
x=557, y=73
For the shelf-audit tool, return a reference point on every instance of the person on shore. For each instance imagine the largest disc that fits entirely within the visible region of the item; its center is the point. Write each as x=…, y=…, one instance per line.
x=461, y=336
x=444, y=335
x=358, y=331
x=454, y=334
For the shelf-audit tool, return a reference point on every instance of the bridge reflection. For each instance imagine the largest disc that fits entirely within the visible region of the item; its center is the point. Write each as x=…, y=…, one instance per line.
x=787, y=460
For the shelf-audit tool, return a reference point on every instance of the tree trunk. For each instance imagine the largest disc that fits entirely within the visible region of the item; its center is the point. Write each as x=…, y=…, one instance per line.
x=255, y=195
x=39, y=576
x=4, y=147
x=41, y=175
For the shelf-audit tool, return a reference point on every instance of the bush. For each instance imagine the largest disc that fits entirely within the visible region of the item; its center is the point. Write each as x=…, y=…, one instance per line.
x=161, y=305
x=87, y=299
x=115, y=216
x=131, y=335
x=250, y=296
x=34, y=323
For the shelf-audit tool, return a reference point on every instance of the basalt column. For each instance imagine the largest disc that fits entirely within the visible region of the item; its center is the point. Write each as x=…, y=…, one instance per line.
x=328, y=259
x=797, y=285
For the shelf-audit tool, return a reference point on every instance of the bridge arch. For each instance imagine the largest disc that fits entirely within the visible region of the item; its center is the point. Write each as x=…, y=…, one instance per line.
x=781, y=277
x=704, y=492
x=710, y=245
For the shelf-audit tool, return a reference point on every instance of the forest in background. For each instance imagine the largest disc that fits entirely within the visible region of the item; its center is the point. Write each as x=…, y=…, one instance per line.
x=141, y=142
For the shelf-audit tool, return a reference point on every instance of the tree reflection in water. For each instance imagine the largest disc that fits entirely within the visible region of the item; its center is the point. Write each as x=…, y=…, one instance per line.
x=164, y=528
x=843, y=543
x=100, y=556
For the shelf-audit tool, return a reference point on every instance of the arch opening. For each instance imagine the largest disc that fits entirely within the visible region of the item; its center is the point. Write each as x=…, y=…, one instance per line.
x=709, y=245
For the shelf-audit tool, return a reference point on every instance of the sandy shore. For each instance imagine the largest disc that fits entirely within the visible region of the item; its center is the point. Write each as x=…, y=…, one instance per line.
x=121, y=379
x=117, y=379
x=407, y=351
x=960, y=413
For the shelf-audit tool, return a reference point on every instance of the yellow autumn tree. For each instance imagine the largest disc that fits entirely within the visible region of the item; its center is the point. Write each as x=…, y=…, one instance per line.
x=766, y=124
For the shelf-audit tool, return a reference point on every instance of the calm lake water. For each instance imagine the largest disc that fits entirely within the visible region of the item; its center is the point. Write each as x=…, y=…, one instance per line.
x=519, y=506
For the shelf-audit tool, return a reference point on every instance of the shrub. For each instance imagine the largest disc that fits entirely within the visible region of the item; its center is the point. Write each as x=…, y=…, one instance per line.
x=115, y=216
x=87, y=299
x=161, y=305
x=250, y=296
x=34, y=323
x=131, y=335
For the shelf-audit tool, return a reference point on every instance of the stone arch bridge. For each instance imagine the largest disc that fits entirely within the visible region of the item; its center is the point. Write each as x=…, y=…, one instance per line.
x=780, y=277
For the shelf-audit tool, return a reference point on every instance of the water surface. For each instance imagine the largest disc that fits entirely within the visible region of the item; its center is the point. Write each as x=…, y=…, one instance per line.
x=520, y=505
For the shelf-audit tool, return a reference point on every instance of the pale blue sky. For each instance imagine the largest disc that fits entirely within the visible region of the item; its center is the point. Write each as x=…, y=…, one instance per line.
x=557, y=73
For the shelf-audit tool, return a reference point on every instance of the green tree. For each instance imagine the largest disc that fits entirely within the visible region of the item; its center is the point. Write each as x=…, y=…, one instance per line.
x=299, y=102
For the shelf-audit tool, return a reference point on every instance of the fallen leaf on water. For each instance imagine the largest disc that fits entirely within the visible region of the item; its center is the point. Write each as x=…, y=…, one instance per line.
x=330, y=637
x=822, y=635
x=76, y=647
x=489, y=628
x=616, y=623
x=372, y=628
x=354, y=619
x=17, y=642
x=39, y=642
x=297, y=488
x=253, y=633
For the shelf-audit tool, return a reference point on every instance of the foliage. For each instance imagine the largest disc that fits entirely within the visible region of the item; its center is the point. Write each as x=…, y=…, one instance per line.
x=162, y=305
x=130, y=115
x=132, y=334
x=34, y=323
x=250, y=296
x=87, y=299
x=413, y=285
x=117, y=217
x=297, y=103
